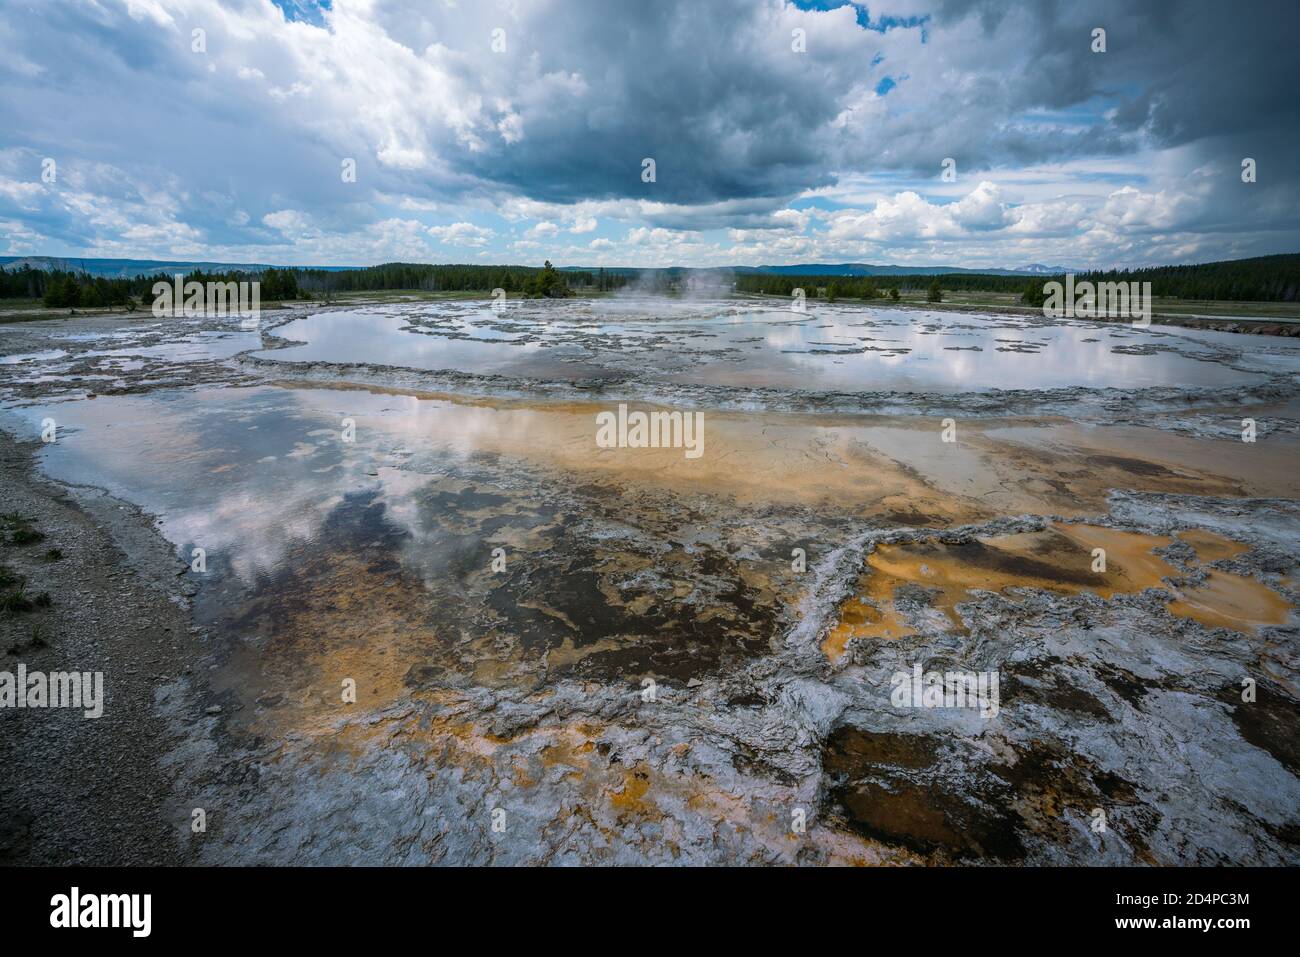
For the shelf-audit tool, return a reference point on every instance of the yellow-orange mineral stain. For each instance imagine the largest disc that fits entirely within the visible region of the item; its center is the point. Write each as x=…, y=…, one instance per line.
x=1211, y=547
x=1227, y=600
x=1062, y=558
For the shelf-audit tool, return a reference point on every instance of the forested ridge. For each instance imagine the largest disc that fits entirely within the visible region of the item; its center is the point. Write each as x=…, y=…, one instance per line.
x=1261, y=279
x=72, y=288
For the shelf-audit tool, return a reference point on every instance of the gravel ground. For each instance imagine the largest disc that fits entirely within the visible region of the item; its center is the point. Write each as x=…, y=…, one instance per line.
x=77, y=790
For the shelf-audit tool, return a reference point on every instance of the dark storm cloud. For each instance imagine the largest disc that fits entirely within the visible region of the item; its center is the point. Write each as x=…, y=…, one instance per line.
x=205, y=147
x=714, y=93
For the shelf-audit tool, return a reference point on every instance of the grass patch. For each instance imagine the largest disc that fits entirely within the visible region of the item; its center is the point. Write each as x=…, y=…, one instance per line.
x=26, y=536
x=9, y=577
x=19, y=529
x=38, y=637
x=18, y=602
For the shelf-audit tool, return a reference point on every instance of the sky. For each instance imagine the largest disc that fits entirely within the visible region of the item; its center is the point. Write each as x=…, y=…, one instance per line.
x=910, y=132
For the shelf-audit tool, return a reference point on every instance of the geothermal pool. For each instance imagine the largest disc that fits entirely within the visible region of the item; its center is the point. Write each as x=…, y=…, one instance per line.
x=640, y=657
x=831, y=347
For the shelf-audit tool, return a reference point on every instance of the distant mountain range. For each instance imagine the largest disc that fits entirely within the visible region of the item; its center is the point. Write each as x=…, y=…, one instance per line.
x=127, y=268
x=836, y=269
x=867, y=269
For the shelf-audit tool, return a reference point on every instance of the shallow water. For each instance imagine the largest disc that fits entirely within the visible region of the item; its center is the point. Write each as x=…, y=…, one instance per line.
x=831, y=347
x=309, y=536
x=371, y=560
x=32, y=357
x=193, y=348
x=251, y=474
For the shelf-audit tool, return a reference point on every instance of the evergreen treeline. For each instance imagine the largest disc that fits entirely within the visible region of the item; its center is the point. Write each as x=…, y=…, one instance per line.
x=528, y=280
x=276, y=284
x=871, y=287
x=78, y=289
x=827, y=287
x=63, y=288
x=1262, y=279
x=68, y=288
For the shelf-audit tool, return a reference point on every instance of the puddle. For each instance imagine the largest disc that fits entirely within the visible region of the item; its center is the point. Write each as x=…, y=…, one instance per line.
x=909, y=586
x=1210, y=547
x=199, y=347
x=1227, y=600
x=33, y=357
x=830, y=348
x=386, y=339
x=1093, y=459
